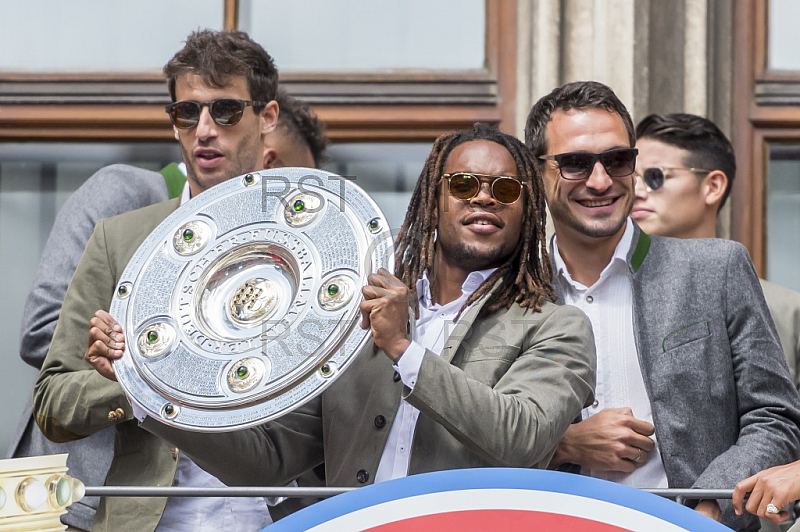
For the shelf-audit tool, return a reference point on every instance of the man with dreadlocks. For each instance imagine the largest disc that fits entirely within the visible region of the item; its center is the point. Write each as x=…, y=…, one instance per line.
x=692, y=388
x=491, y=373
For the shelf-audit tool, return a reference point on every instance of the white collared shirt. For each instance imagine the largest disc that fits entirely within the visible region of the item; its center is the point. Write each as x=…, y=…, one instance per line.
x=207, y=514
x=431, y=331
x=609, y=305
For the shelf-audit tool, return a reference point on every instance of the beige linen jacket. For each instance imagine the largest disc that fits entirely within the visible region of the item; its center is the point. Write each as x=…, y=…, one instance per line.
x=502, y=393
x=71, y=400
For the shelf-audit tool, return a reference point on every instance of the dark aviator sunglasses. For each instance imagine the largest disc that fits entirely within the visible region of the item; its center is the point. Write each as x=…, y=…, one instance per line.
x=655, y=176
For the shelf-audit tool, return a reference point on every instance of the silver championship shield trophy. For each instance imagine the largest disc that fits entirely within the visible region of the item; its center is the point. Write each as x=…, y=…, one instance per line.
x=244, y=303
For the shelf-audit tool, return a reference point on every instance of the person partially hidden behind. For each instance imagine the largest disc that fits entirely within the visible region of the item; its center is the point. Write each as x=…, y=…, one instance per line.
x=223, y=86
x=692, y=386
x=490, y=374
x=686, y=170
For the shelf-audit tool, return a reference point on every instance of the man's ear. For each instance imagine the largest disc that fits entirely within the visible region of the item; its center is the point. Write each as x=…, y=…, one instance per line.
x=713, y=187
x=269, y=118
x=270, y=157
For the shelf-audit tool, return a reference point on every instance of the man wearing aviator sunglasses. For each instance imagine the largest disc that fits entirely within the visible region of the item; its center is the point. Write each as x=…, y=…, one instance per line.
x=220, y=138
x=692, y=389
x=676, y=199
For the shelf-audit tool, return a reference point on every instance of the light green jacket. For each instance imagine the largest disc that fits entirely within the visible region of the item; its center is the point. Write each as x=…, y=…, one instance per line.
x=71, y=400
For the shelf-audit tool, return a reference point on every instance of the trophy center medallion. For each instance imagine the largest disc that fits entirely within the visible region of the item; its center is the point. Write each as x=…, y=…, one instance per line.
x=253, y=302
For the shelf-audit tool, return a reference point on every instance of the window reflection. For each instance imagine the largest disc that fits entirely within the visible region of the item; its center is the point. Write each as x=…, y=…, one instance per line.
x=783, y=215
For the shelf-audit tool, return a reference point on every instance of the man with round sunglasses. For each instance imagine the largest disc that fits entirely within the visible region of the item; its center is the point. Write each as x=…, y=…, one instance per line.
x=71, y=400
x=692, y=388
x=469, y=365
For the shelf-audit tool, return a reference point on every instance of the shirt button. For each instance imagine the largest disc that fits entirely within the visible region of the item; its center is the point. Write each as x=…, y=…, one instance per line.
x=589, y=299
x=596, y=403
x=380, y=421
x=396, y=377
x=362, y=476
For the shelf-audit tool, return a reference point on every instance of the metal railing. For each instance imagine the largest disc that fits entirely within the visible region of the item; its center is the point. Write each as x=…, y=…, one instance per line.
x=678, y=495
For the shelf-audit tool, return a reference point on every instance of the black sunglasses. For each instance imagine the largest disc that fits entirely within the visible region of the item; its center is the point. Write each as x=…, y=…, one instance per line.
x=654, y=177
x=576, y=165
x=466, y=185
x=225, y=111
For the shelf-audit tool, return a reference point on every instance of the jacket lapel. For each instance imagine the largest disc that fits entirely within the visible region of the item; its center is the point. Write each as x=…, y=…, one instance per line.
x=464, y=325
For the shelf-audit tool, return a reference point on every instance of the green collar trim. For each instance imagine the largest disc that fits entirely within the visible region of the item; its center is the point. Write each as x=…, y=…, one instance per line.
x=642, y=247
x=174, y=179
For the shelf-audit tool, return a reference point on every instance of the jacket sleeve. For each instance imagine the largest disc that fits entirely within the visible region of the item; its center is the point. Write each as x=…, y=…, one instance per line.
x=110, y=191
x=271, y=454
x=518, y=421
x=767, y=401
x=71, y=400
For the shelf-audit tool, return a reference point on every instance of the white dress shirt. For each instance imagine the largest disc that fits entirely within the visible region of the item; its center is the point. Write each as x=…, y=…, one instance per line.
x=609, y=305
x=206, y=514
x=431, y=331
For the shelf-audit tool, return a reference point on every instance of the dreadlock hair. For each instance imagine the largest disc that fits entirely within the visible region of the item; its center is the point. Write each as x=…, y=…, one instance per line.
x=706, y=144
x=525, y=277
x=218, y=56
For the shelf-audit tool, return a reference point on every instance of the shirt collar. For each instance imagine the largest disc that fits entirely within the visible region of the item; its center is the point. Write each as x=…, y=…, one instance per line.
x=186, y=194
x=620, y=254
x=471, y=283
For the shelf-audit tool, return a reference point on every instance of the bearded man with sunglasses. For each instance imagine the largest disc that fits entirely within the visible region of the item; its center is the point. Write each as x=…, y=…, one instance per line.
x=692, y=388
x=223, y=86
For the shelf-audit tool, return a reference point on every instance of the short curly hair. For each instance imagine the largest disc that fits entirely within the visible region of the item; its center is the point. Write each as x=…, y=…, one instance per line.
x=220, y=55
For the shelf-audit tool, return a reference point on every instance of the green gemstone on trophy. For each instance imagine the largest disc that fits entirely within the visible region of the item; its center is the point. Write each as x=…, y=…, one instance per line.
x=325, y=369
x=152, y=336
x=299, y=205
x=188, y=235
x=373, y=224
x=333, y=289
x=169, y=410
x=122, y=290
x=249, y=179
x=63, y=491
x=241, y=372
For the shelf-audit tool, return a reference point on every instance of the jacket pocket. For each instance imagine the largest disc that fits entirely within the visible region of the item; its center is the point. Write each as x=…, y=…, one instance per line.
x=684, y=335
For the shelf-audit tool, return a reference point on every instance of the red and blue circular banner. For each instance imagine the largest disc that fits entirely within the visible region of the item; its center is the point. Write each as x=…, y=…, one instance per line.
x=511, y=500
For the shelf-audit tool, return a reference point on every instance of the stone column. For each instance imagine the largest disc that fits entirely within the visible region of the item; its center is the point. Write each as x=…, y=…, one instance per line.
x=658, y=56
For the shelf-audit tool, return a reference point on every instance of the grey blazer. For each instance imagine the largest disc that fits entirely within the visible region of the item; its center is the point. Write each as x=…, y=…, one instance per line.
x=110, y=191
x=502, y=393
x=723, y=403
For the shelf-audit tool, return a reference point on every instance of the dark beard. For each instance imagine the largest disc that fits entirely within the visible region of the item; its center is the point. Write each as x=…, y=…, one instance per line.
x=471, y=259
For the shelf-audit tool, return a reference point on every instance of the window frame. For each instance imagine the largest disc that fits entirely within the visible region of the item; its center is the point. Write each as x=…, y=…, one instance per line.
x=766, y=110
x=382, y=106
